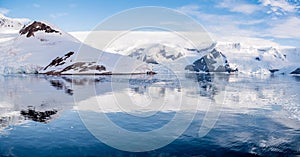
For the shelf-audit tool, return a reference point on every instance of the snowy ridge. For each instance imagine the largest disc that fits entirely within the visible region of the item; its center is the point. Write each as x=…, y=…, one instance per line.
x=29, y=54
x=248, y=56
x=260, y=60
x=7, y=23
x=39, y=45
x=157, y=53
x=9, y=27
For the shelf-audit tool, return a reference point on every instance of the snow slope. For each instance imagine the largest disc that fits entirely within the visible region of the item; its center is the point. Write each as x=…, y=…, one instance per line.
x=171, y=50
x=248, y=55
x=9, y=27
x=29, y=54
x=42, y=45
x=39, y=44
x=253, y=59
x=7, y=23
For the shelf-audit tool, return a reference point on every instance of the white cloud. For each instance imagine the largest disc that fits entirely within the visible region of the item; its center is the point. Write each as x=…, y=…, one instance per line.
x=4, y=11
x=194, y=10
x=189, y=10
x=286, y=28
x=36, y=5
x=170, y=23
x=245, y=8
x=239, y=7
x=222, y=25
x=279, y=5
x=23, y=20
x=251, y=22
x=228, y=25
x=57, y=15
x=72, y=5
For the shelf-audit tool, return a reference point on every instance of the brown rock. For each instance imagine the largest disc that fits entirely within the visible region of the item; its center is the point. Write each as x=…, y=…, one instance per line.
x=34, y=27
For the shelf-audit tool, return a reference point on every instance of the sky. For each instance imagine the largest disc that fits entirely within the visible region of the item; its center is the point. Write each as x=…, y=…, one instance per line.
x=276, y=20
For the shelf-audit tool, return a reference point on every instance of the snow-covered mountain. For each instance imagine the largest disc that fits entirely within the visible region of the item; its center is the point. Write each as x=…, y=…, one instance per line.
x=33, y=48
x=214, y=61
x=182, y=58
x=11, y=23
x=9, y=27
x=44, y=48
x=39, y=47
x=252, y=59
x=247, y=56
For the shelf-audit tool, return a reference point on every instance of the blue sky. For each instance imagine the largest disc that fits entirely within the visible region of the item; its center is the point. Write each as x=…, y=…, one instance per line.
x=277, y=20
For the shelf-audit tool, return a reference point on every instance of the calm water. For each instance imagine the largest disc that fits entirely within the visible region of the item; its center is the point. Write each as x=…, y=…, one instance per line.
x=204, y=115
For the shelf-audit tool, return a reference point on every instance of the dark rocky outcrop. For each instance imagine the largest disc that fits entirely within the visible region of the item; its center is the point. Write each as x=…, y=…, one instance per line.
x=83, y=81
x=214, y=61
x=38, y=116
x=62, y=65
x=84, y=66
x=36, y=26
x=151, y=73
x=60, y=85
x=273, y=70
x=297, y=71
x=59, y=60
x=79, y=67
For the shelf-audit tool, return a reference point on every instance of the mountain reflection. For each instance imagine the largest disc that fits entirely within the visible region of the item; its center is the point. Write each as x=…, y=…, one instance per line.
x=60, y=85
x=297, y=78
x=38, y=116
x=38, y=98
x=209, y=83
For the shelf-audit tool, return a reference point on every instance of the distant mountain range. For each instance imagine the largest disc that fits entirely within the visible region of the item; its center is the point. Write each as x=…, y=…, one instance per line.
x=11, y=23
x=39, y=47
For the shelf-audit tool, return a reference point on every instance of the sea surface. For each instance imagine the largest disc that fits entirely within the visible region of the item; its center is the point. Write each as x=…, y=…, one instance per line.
x=142, y=115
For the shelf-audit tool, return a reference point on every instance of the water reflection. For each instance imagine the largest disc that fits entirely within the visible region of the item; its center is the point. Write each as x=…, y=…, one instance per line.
x=210, y=83
x=20, y=92
x=297, y=78
x=38, y=116
x=260, y=116
x=59, y=85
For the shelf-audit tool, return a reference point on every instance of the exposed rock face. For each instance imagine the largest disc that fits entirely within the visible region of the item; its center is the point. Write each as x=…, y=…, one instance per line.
x=63, y=65
x=214, y=61
x=59, y=60
x=34, y=27
x=84, y=66
x=273, y=70
x=78, y=68
x=38, y=116
x=297, y=71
